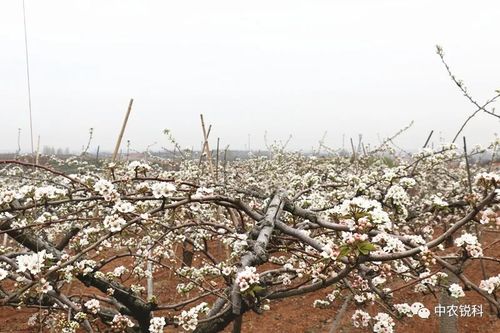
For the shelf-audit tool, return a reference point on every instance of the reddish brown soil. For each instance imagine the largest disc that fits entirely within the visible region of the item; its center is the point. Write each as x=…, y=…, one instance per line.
x=298, y=315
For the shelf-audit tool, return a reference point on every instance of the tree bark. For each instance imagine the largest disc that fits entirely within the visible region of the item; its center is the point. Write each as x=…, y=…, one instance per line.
x=448, y=323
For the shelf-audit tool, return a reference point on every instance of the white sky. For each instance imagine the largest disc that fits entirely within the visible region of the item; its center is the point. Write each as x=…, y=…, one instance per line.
x=288, y=67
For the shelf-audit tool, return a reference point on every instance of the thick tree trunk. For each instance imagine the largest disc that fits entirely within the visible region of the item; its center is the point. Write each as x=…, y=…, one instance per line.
x=237, y=324
x=187, y=255
x=448, y=322
x=340, y=315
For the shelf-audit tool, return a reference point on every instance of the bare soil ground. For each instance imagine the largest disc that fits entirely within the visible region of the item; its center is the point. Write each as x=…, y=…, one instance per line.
x=298, y=315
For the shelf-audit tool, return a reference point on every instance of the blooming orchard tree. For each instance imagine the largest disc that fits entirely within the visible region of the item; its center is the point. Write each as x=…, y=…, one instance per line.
x=240, y=237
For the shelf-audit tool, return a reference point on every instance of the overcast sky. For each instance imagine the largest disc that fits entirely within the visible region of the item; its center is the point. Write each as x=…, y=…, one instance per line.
x=288, y=67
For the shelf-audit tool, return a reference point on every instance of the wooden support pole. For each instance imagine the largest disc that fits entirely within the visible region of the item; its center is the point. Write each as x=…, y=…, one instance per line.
x=217, y=161
x=149, y=278
x=37, y=155
x=353, y=151
x=224, y=165
x=206, y=146
x=128, y=149
x=119, y=141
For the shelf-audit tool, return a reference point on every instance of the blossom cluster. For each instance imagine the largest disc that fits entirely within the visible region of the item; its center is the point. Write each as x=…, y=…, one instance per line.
x=487, y=178
x=382, y=322
x=430, y=282
x=247, y=278
x=491, y=284
x=188, y=320
x=123, y=207
x=490, y=216
x=163, y=190
x=437, y=201
x=114, y=223
x=121, y=322
x=360, y=318
x=364, y=207
x=33, y=262
x=49, y=192
x=93, y=306
x=137, y=166
x=106, y=189
x=156, y=324
x=470, y=243
x=456, y=290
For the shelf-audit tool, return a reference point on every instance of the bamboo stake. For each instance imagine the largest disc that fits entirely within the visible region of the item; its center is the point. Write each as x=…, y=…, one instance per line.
x=204, y=145
x=360, y=139
x=18, y=142
x=353, y=151
x=224, y=165
x=120, y=136
x=128, y=149
x=321, y=143
x=207, y=148
x=150, y=275
x=217, y=161
x=37, y=151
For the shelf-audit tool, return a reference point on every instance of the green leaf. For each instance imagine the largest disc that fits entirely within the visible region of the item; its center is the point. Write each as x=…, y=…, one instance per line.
x=258, y=290
x=306, y=204
x=344, y=251
x=365, y=247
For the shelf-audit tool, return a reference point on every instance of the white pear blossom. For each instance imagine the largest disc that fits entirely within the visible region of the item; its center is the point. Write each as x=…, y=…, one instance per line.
x=3, y=274
x=7, y=196
x=437, y=201
x=93, y=306
x=156, y=324
x=114, y=223
x=45, y=286
x=384, y=323
x=470, y=243
x=404, y=309
x=163, y=190
x=188, y=320
x=124, y=207
x=32, y=262
x=246, y=278
x=321, y=304
x=487, y=177
x=119, y=271
x=456, y=290
x=49, y=192
x=106, y=189
x=360, y=318
x=121, y=322
x=203, y=191
x=491, y=284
